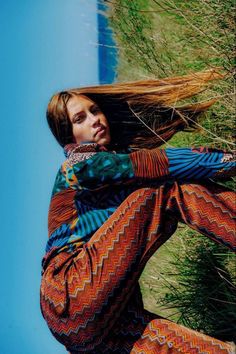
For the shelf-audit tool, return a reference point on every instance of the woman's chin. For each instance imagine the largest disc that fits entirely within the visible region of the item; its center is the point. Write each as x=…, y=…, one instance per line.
x=104, y=141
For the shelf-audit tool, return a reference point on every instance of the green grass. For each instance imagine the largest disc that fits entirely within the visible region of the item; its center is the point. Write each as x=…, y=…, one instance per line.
x=168, y=38
x=164, y=38
x=192, y=281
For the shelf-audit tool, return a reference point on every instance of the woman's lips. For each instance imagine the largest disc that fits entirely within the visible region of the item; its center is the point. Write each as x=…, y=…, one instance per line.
x=100, y=131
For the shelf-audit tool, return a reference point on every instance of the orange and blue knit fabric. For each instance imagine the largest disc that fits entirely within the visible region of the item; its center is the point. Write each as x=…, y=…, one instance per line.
x=109, y=212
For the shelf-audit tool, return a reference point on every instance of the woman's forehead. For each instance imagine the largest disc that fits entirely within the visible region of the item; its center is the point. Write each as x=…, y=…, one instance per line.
x=76, y=100
x=77, y=103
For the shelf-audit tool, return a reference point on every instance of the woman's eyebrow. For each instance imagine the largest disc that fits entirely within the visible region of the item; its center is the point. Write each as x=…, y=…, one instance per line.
x=78, y=113
x=93, y=105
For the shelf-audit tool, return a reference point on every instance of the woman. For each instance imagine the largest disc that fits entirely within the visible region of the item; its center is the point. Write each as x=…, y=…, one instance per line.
x=114, y=204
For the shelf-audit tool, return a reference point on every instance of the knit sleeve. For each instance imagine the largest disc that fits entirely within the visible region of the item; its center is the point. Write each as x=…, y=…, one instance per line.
x=184, y=163
x=200, y=163
x=105, y=168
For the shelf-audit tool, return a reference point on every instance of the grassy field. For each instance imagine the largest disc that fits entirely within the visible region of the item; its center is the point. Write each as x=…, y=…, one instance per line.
x=168, y=38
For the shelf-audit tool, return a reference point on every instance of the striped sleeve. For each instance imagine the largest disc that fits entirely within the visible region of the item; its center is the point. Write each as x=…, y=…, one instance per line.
x=105, y=168
x=183, y=163
x=201, y=163
x=150, y=164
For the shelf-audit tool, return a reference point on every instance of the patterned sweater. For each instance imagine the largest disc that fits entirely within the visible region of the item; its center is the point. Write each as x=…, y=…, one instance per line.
x=93, y=182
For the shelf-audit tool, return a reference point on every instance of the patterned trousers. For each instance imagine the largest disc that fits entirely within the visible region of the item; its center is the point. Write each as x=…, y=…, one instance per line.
x=90, y=297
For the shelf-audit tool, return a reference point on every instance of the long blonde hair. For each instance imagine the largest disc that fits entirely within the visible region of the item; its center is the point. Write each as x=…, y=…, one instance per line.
x=141, y=114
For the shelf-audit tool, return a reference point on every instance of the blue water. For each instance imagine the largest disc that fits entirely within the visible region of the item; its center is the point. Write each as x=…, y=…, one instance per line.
x=107, y=53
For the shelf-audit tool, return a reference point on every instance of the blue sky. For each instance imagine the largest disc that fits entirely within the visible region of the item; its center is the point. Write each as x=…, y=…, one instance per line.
x=46, y=46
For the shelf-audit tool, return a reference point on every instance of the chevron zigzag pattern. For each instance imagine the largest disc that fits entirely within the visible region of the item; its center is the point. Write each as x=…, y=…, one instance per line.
x=89, y=294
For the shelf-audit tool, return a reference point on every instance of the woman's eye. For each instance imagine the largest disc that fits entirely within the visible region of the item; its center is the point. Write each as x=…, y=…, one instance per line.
x=79, y=119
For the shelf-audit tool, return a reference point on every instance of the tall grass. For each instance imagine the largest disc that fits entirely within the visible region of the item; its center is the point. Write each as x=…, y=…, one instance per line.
x=169, y=37
x=205, y=295
x=190, y=279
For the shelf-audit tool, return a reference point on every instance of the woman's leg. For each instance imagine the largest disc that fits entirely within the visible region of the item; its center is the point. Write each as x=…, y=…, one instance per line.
x=209, y=209
x=165, y=337
x=84, y=294
x=141, y=332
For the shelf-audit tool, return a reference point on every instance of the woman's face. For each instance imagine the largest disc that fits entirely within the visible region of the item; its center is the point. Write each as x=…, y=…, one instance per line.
x=88, y=122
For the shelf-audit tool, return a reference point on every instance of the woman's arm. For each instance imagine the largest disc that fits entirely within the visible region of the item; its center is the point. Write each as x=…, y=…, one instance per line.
x=186, y=163
x=144, y=165
x=101, y=169
x=198, y=163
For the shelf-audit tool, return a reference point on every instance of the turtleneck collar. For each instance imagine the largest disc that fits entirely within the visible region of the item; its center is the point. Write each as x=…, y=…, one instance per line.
x=73, y=148
x=78, y=152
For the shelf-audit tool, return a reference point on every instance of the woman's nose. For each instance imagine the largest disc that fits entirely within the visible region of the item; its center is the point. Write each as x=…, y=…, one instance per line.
x=95, y=120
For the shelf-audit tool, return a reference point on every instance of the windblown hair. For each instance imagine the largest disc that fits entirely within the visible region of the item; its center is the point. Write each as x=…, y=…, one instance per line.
x=141, y=114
